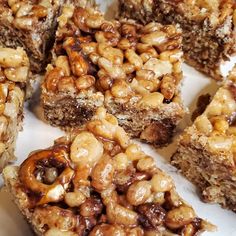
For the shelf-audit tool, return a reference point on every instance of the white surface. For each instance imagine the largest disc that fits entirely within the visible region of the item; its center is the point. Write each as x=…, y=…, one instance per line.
x=38, y=135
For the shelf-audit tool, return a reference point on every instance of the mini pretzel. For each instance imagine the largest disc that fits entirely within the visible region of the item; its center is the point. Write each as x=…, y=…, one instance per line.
x=48, y=193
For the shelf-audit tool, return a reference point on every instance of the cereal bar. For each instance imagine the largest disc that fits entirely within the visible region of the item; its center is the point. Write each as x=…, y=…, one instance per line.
x=31, y=25
x=131, y=69
x=14, y=70
x=206, y=152
x=209, y=27
x=97, y=182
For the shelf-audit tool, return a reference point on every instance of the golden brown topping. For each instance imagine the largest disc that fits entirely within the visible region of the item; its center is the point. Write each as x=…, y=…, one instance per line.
x=86, y=149
x=139, y=192
x=203, y=124
x=14, y=72
x=91, y=207
x=85, y=82
x=152, y=100
x=114, y=55
x=107, y=127
x=217, y=121
x=161, y=182
x=220, y=143
x=79, y=66
x=13, y=57
x=102, y=174
x=63, y=63
x=52, y=78
x=118, y=214
x=168, y=87
x=79, y=17
x=106, y=230
x=179, y=217
x=19, y=74
x=74, y=199
x=39, y=11
x=66, y=84
x=146, y=164
x=125, y=58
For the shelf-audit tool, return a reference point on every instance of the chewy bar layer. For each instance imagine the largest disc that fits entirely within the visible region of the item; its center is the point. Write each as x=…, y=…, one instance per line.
x=209, y=27
x=31, y=25
x=99, y=183
x=206, y=151
x=133, y=70
x=14, y=69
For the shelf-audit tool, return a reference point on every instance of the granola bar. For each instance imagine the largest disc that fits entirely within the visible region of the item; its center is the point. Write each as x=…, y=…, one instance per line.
x=14, y=70
x=209, y=27
x=32, y=25
x=206, y=150
x=97, y=182
x=131, y=69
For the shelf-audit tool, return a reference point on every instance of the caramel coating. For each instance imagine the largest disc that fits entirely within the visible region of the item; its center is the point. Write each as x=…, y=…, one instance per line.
x=94, y=183
x=122, y=59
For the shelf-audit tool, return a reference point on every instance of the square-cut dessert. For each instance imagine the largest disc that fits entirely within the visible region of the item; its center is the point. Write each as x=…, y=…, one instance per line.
x=31, y=25
x=14, y=70
x=99, y=183
x=131, y=69
x=206, y=151
x=209, y=27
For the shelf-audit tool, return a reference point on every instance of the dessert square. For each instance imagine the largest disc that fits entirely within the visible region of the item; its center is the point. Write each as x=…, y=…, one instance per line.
x=14, y=70
x=97, y=182
x=31, y=25
x=209, y=27
x=131, y=69
x=206, y=152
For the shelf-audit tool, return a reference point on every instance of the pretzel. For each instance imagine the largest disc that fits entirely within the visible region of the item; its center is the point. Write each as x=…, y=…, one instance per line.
x=48, y=192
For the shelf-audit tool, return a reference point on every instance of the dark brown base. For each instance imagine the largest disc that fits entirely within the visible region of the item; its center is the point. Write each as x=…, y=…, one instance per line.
x=214, y=180
x=67, y=113
x=153, y=130
x=152, y=126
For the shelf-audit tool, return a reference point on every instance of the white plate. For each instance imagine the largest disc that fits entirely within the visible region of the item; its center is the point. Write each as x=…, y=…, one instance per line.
x=38, y=135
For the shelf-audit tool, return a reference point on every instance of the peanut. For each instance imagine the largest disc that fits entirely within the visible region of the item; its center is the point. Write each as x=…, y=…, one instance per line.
x=179, y=217
x=117, y=214
x=86, y=149
x=152, y=100
x=102, y=174
x=161, y=182
x=138, y=192
x=85, y=82
x=74, y=199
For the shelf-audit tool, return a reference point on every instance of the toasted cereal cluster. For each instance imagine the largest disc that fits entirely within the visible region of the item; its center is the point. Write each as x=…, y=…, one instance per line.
x=25, y=15
x=14, y=65
x=100, y=183
x=14, y=69
x=127, y=62
x=217, y=122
